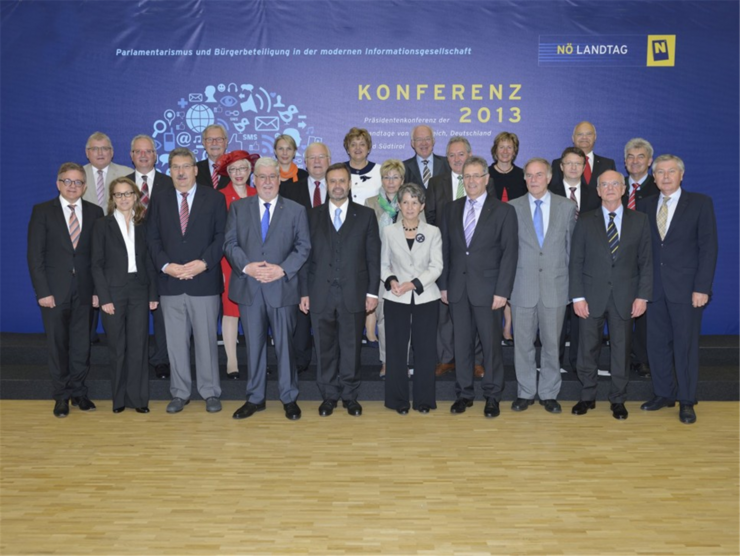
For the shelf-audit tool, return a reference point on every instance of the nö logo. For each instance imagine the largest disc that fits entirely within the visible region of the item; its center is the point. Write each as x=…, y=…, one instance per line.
x=661, y=50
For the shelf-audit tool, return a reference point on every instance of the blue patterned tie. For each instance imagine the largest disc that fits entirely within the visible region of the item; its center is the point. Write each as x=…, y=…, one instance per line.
x=539, y=227
x=265, y=221
x=612, y=235
x=337, y=219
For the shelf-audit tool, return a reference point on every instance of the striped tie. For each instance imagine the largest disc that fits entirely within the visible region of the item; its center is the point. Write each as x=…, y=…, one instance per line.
x=427, y=173
x=100, y=188
x=214, y=177
x=632, y=202
x=460, y=188
x=470, y=222
x=662, y=220
x=184, y=212
x=573, y=198
x=612, y=235
x=74, y=227
x=144, y=192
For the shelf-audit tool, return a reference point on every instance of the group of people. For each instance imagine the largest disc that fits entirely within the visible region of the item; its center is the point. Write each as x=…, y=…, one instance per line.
x=446, y=257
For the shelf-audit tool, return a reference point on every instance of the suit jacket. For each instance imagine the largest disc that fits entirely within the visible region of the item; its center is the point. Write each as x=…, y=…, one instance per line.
x=487, y=267
x=297, y=192
x=593, y=273
x=439, y=194
x=421, y=264
x=91, y=175
x=203, y=239
x=52, y=262
x=205, y=171
x=685, y=261
x=590, y=199
x=647, y=189
x=542, y=272
x=359, y=271
x=412, y=169
x=287, y=244
x=110, y=259
x=161, y=181
x=601, y=165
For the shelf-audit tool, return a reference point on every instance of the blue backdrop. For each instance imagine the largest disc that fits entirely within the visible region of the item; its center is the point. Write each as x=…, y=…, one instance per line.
x=665, y=71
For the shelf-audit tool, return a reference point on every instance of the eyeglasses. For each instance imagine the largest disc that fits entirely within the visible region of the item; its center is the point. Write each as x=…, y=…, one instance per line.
x=316, y=157
x=100, y=149
x=475, y=177
x=126, y=194
x=71, y=183
x=214, y=140
x=181, y=167
x=238, y=169
x=139, y=152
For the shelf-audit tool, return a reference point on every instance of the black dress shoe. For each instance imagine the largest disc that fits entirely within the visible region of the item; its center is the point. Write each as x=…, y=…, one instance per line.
x=686, y=414
x=521, y=404
x=507, y=342
x=302, y=368
x=162, y=371
x=248, y=409
x=327, y=408
x=61, y=408
x=353, y=407
x=460, y=405
x=424, y=409
x=619, y=411
x=233, y=376
x=144, y=409
x=119, y=409
x=551, y=406
x=292, y=411
x=491, y=410
x=581, y=408
x=83, y=403
x=403, y=410
x=641, y=369
x=657, y=403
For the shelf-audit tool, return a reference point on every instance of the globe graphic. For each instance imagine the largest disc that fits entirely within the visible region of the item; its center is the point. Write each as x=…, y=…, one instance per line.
x=199, y=117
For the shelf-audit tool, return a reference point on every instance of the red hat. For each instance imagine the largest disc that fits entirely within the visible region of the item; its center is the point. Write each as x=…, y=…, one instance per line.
x=227, y=159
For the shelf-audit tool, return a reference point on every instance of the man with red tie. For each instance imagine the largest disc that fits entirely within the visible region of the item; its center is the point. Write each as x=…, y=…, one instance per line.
x=638, y=156
x=584, y=137
x=215, y=143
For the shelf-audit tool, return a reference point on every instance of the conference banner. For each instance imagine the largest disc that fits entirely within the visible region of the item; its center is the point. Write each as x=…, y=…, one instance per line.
x=664, y=71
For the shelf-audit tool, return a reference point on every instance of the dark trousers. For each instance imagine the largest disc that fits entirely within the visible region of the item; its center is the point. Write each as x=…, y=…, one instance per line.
x=159, y=357
x=420, y=322
x=302, y=340
x=337, y=336
x=127, y=330
x=591, y=335
x=673, y=343
x=67, y=328
x=639, y=354
x=470, y=320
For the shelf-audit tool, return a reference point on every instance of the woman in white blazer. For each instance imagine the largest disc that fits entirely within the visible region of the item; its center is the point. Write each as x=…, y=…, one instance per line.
x=411, y=262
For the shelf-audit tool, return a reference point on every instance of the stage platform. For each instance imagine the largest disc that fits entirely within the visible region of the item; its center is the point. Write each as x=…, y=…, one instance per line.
x=23, y=374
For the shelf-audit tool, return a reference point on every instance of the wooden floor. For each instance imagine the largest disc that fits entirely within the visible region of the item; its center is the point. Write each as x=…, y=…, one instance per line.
x=529, y=483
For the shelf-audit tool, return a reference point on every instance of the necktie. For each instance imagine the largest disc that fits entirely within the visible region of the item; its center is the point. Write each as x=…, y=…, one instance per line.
x=337, y=219
x=317, y=194
x=265, y=221
x=460, y=188
x=100, y=188
x=184, y=212
x=663, y=218
x=470, y=222
x=587, y=171
x=427, y=174
x=539, y=226
x=144, y=192
x=214, y=177
x=573, y=198
x=74, y=227
x=505, y=196
x=631, y=202
x=612, y=235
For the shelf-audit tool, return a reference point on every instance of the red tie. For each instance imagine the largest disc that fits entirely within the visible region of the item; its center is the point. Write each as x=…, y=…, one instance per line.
x=505, y=196
x=317, y=194
x=631, y=203
x=214, y=177
x=144, y=192
x=587, y=171
x=184, y=212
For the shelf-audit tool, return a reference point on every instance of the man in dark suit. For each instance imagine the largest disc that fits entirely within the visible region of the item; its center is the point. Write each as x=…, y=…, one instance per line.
x=638, y=156
x=151, y=182
x=309, y=192
x=339, y=285
x=584, y=137
x=186, y=236
x=684, y=239
x=59, y=253
x=215, y=142
x=425, y=165
x=480, y=247
x=267, y=243
x=611, y=278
